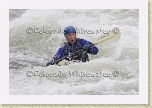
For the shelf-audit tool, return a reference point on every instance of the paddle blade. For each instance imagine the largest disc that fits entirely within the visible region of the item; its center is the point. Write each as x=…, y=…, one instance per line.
x=108, y=38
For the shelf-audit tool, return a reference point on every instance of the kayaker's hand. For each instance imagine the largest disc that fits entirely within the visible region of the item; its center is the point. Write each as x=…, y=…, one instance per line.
x=50, y=63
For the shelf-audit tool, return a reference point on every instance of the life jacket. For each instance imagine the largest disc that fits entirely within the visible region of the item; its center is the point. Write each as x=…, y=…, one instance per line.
x=70, y=49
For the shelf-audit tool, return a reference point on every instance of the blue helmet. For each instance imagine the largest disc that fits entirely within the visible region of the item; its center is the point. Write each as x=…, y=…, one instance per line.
x=69, y=29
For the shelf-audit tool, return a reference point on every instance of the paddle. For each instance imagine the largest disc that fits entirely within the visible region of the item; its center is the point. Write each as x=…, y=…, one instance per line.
x=110, y=37
x=104, y=39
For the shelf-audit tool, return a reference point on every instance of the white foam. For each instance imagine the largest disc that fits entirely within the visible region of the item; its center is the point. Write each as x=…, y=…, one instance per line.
x=34, y=50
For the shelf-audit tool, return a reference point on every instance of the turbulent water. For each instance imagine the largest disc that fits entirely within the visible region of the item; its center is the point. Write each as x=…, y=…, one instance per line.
x=36, y=35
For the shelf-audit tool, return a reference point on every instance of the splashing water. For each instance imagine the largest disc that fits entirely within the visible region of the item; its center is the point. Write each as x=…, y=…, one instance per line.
x=36, y=35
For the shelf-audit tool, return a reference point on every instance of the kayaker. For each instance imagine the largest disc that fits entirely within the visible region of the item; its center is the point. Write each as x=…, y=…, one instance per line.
x=72, y=45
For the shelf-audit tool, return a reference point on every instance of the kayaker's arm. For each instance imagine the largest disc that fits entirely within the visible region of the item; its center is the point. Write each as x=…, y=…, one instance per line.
x=89, y=47
x=93, y=50
x=56, y=58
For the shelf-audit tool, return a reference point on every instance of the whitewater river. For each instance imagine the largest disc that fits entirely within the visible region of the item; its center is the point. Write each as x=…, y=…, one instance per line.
x=36, y=35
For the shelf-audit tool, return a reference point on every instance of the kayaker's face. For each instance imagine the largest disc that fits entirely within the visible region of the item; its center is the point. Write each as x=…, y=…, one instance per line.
x=71, y=37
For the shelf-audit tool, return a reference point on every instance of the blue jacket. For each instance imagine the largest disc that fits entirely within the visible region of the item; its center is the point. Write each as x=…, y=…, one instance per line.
x=79, y=44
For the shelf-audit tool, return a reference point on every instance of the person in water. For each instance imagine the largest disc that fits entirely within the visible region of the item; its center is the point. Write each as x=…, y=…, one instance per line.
x=72, y=45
